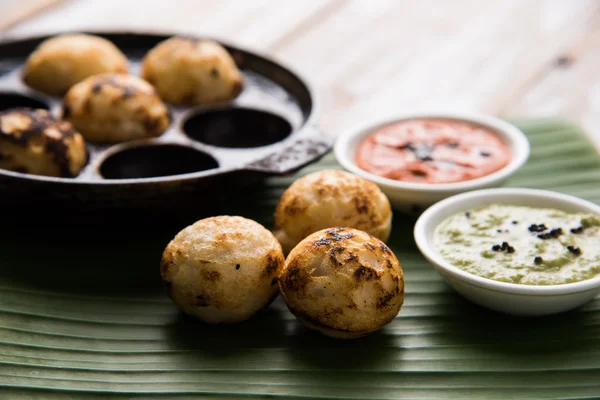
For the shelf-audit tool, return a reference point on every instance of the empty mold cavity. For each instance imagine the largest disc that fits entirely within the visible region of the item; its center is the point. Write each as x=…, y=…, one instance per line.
x=15, y=100
x=155, y=160
x=237, y=128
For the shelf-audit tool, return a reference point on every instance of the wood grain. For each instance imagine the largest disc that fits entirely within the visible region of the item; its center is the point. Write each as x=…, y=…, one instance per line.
x=375, y=58
x=13, y=12
x=476, y=58
x=255, y=24
x=568, y=85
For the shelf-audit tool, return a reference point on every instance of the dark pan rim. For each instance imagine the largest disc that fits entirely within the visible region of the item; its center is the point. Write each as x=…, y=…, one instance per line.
x=309, y=123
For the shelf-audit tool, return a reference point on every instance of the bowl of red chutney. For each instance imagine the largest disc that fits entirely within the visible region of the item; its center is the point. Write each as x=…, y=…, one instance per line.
x=420, y=159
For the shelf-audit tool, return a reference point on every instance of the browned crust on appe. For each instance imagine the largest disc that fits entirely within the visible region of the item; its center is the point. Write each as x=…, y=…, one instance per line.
x=25, y=126
x=294, y=279
x=365, y=273
x=349, y=201
x=222, y=269
x=211, y=275
x=274, y=262
x=356, y=266
x=116, y=107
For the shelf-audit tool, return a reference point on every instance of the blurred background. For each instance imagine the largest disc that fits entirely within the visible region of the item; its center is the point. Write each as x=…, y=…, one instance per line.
x=367, y=59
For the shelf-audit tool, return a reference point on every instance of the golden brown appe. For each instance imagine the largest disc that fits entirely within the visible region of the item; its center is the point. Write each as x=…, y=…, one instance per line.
x=342, y=282
x=111, y=108
x=192, y=71
x=327, y=199
x=61, y=61
x=222, y=269
x=34, y=142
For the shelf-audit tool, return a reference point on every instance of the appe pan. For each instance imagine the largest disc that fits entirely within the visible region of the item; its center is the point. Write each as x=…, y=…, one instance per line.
x=209, y=152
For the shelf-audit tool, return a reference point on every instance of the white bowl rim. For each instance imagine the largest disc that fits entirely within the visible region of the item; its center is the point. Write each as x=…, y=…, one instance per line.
x=517, y=141
x=422, y=239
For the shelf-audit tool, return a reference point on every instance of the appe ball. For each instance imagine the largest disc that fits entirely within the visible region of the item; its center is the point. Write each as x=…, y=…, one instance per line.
x=61, y=61
x=222, y=269
x=342, y=282
x=112, y=108
x=192, y=71
x=34, y=142
x=328, y=199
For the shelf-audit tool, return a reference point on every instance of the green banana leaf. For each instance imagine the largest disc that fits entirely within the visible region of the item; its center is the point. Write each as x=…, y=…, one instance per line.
x=83, y=315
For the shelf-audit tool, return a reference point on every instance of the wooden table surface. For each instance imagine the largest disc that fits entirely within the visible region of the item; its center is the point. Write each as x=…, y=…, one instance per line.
x=374, y=58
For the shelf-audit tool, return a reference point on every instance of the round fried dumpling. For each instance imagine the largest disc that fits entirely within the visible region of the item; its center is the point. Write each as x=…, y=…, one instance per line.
x=331, y=198
x=222, y=269
x=342, y=282
x=60, y=62
x=192, y=71
x=34, y=142
x=111, y=108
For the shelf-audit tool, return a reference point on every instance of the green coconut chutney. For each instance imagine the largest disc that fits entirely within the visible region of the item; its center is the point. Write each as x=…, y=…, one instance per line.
x=530, y=246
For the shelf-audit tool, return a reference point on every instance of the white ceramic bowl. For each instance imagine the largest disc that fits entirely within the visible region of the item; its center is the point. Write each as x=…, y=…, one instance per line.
x=410, y=196
x=509, y=298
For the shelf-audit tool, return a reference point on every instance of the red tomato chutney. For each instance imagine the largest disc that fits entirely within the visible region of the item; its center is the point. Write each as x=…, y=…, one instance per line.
x=432, y=151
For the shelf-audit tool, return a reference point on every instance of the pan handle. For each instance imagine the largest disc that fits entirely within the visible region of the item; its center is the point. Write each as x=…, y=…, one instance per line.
x=309, y=148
